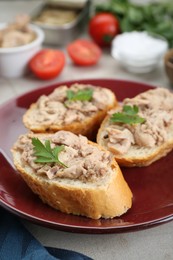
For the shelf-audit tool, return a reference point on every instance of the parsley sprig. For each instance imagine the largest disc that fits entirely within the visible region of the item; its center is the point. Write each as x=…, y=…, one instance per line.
x=129, y=115
x=45, y=154
x=81, y=94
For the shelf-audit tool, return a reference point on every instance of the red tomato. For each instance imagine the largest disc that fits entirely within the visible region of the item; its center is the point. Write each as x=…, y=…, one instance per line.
x=84, y=52
x=47, y=63
x=103, y=27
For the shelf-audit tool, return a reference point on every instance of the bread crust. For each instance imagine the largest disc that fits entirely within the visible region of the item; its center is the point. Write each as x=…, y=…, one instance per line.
x=88, y=127
x=129, y=160
x=107, y=200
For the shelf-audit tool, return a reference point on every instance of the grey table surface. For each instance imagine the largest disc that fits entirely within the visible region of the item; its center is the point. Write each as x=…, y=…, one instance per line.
x=153, y=243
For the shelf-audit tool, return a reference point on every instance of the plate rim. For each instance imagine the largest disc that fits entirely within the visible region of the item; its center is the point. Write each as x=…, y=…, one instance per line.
x=40, y=88
x=83, y=229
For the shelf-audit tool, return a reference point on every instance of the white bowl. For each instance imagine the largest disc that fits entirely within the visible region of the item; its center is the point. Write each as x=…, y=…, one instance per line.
x=14, y=61
x=136, y=56
x=134, y=67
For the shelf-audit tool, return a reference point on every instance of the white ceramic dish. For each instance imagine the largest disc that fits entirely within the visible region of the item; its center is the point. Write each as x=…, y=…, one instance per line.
x=14, y=61
x=138, y=52
x=134, y=67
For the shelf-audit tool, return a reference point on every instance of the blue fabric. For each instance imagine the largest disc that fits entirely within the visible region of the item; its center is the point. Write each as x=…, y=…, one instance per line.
x=16, y=243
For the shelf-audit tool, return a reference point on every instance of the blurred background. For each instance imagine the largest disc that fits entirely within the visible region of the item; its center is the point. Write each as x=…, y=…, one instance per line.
x=63, y=27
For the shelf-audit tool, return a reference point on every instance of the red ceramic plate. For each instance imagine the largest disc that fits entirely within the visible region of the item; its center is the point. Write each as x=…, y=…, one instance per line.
x=152, y=186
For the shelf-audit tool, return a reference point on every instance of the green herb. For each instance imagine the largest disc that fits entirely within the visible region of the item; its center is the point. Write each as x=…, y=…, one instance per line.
x=129, y=115
x=155, y=18
x=46, y=154
x=82, y=95
x=107, y=38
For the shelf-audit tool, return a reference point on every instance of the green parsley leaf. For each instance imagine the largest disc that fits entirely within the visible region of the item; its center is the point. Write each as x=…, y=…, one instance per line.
x=129, y=115
x=130, y=110
x=81, y=94
x=45, y=154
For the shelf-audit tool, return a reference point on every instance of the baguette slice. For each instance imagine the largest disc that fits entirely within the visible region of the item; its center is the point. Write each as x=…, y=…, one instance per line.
x=138, y=155
x=104, y=196
x=87, y=123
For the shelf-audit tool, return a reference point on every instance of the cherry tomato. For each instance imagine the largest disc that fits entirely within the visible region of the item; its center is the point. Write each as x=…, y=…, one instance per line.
x=47, y=63
x=84, y=52
x=103, y=27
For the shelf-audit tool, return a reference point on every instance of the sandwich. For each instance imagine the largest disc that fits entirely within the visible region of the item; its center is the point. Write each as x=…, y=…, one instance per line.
x=139, y=130
x=72, y=174
x=80, y=109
